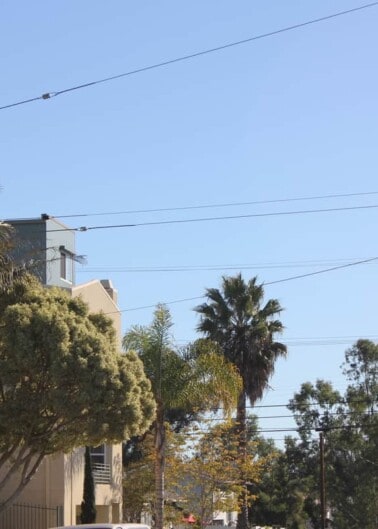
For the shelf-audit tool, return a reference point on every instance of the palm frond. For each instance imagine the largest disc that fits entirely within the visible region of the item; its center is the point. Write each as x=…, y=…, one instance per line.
x=244, y=328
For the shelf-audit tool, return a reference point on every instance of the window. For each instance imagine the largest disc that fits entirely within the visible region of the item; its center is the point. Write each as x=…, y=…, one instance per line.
x=63, y=265
x=66, y=266
x=98, y=455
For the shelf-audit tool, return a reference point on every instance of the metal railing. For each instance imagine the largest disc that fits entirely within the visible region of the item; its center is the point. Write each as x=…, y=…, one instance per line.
x=25, y=516
x=101, y=473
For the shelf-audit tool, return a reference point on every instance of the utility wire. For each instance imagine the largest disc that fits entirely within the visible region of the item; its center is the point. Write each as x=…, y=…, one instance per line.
x=306, y=342
x=208, y=219
x=292, y=278
x=323, y=415
x=292, y=342
x=50, y=95
x=208, y=206
x=217, y=267
x=321, y=271
x=200, y=268
x=296, y=429
x=342, y=401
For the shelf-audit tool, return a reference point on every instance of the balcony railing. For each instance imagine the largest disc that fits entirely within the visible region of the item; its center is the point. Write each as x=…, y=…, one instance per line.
x=101, y=473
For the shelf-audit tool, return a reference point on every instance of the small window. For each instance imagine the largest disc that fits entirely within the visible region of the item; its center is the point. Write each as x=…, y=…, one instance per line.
x=66, y=266
x=98, y=455
x=63, y=265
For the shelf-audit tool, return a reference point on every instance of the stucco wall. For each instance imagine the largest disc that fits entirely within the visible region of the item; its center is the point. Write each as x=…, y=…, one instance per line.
x=99, y=299
x=40, y=240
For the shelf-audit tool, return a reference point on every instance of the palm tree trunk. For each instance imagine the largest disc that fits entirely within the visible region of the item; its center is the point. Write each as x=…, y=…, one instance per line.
x=159, y=466
x=242, y=522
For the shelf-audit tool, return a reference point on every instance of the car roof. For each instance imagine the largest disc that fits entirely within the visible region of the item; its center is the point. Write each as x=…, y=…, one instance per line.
x=106, y=526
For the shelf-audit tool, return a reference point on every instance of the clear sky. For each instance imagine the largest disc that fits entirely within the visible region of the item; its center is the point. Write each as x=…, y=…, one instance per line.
x=288, y=116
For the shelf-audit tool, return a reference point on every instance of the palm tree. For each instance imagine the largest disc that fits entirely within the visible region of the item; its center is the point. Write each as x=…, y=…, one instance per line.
x=185, y=380
x=244, y=328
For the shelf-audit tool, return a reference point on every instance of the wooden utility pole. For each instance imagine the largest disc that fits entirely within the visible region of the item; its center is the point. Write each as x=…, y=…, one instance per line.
x=323, y=514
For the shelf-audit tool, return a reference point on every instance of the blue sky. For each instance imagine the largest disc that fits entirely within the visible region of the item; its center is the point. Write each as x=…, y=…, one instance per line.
x=289, y=116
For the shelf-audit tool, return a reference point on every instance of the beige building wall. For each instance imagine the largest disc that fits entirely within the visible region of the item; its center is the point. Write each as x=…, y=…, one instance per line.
x=108, y=496
x=101, y=296
x=60, y=479
x=46, y=486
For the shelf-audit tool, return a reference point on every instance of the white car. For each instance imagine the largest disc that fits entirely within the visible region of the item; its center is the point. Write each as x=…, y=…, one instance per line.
x=105, y=526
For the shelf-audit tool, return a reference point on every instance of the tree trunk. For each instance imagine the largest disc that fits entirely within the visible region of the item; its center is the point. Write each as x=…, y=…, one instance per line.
x=242, y=522
x=25, y=475
x=159, y=466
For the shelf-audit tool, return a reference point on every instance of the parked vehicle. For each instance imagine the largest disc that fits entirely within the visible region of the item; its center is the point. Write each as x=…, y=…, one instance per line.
x=105, y=526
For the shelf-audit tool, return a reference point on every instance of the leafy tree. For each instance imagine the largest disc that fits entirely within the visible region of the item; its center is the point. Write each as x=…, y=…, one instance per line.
x=267, y=507
x=52, y=348
x=9, y=269
x=350, y=426
x=210, y=472
x=360, y=368
x=281, y=492
x=195, y=378
x=139, y=490
x=5, y=231
x=235, y=318
x=138, y=480
x=88, y=505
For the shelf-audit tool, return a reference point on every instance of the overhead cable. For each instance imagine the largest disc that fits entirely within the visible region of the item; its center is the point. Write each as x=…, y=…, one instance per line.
x=208, y=219
x=292, y=278
x=50, y=95
x=283, y=405
x=322, y=415
x=220, y=205
x=217, y=267
x=298, y=429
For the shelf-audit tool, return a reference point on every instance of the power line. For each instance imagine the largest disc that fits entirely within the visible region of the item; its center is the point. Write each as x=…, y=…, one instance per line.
x=208, y=219
x=295, y=341
x=285, y=405
x=330, y=337
x=296, y=429
x=324, y=343
x=221, y=205
x=50, y=95
x=217, y=267
x=292, y=278
x=322, y=415
x=315, y=341
x=321, y=271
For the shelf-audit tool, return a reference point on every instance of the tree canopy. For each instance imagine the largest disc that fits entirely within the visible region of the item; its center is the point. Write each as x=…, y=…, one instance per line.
x=349, y=424
x=63, y=383
x=9, y=270
x=289, y=492
x=209, y=473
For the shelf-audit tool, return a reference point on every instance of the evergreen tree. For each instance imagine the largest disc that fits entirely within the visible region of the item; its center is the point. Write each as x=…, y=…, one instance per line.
x=350, y=426
x=51, y=346
x=88, y=505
